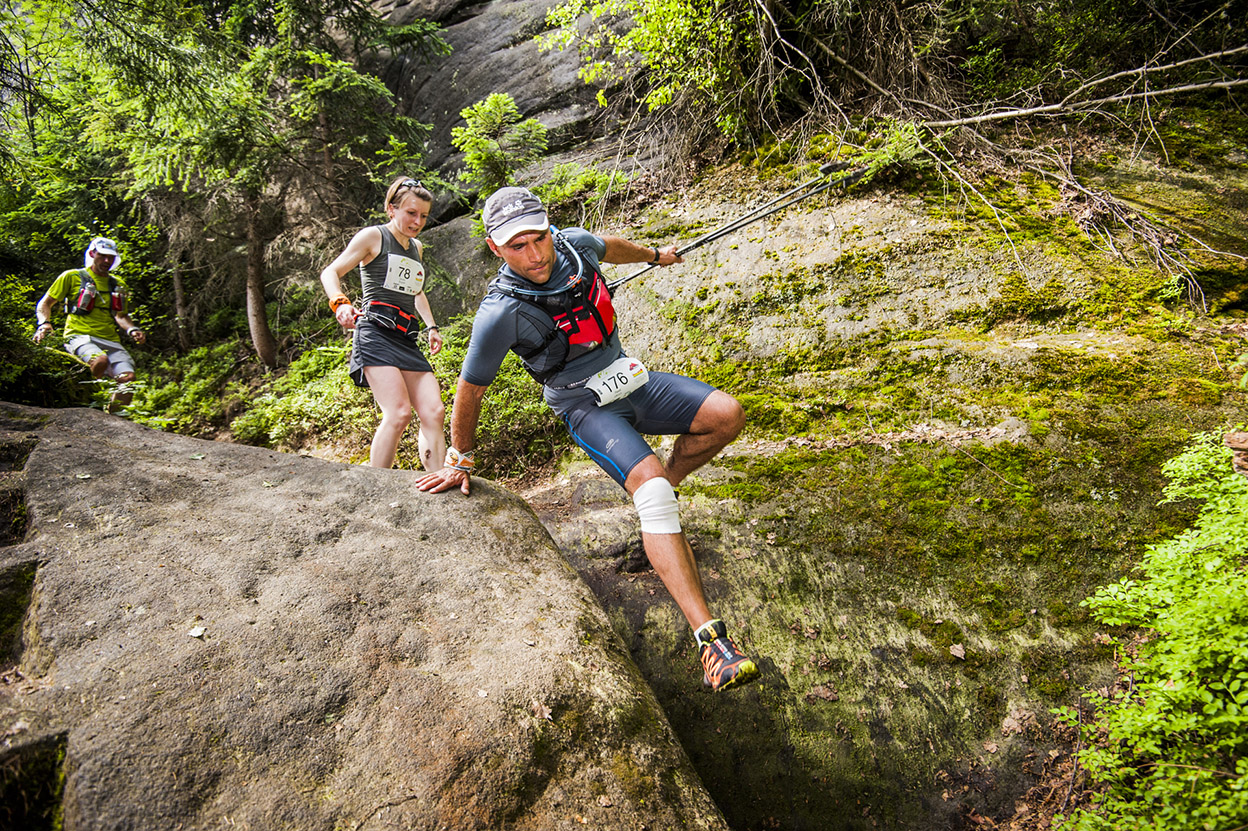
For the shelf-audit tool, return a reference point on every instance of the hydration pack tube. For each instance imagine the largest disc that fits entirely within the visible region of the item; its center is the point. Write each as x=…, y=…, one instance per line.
x=390, y=316
x=581, y=316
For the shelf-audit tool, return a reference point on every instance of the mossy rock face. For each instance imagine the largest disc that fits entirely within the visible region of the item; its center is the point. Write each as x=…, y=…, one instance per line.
x=915, y=610
x=953, y=439
x=31, y=784
x=277, y=640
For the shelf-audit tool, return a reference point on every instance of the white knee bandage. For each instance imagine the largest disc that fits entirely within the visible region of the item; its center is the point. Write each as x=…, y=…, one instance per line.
x=656, y=506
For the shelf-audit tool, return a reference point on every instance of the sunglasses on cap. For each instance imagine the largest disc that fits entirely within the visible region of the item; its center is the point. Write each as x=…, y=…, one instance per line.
x=406, y=184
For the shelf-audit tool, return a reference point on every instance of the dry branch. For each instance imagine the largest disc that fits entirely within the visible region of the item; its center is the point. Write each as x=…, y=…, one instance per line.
x=1065, y=108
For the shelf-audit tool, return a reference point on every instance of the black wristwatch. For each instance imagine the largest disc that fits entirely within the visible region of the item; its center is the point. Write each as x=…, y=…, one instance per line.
x=657, y=255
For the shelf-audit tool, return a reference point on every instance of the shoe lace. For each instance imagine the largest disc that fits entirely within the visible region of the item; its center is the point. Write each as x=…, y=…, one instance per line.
x=713, y=659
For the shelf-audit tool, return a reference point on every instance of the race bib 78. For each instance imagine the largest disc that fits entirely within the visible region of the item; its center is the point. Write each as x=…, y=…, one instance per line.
x=404, y=275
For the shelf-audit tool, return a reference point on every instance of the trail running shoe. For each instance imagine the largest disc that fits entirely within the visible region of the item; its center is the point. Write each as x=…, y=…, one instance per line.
x=723, y=665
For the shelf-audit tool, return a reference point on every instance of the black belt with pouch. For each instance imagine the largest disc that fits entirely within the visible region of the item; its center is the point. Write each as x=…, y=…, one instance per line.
x=389, y=316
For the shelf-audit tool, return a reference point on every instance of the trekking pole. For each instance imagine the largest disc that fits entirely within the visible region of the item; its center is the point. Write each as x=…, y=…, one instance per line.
x=765, y=210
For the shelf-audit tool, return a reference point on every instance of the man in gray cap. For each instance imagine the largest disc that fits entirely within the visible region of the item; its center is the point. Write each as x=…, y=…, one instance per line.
x=550, y=305
x=95, y=310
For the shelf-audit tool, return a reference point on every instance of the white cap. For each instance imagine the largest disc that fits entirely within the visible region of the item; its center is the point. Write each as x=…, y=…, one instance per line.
x=103, y=245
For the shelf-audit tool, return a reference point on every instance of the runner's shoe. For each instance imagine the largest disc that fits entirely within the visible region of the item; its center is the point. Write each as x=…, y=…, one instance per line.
x=723, y=665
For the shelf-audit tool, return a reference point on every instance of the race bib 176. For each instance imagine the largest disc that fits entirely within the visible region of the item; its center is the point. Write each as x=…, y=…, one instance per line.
x=623, y=377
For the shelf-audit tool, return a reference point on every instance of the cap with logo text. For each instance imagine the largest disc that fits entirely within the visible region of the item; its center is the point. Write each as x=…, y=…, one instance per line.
x=510, y=211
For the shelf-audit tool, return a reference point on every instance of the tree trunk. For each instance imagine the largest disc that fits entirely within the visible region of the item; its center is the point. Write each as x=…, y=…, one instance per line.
x=180, y=318
x=257, y=320
x=1238, y=442
x=327, y=155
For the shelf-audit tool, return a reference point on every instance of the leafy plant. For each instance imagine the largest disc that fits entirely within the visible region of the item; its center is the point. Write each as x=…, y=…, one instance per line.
x=572, y=191
x=497, y=142
x=686, y=46
x=315, y=400
x=1170, y=750
x=756, y=67
x=192, y=394
x=45, y=375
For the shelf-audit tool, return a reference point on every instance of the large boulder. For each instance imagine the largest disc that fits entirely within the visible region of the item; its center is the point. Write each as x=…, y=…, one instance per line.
x=492, y=50
x=205, y=635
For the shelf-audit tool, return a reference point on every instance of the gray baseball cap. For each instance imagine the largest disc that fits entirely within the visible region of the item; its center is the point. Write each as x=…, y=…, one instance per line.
x=510, y=211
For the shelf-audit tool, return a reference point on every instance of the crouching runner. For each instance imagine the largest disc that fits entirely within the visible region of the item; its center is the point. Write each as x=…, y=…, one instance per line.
x=550, y=305
x=95, y=311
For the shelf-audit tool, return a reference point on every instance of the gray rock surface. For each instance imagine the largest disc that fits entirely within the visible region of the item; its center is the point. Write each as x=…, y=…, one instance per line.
x=462, y=266
x=492, y=50
x=208, y=635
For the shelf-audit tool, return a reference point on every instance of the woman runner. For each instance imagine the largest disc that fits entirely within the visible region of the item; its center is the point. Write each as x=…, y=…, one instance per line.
x=385, y=355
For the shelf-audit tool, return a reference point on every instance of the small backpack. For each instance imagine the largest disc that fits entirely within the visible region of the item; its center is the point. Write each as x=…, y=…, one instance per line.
x=581, y=316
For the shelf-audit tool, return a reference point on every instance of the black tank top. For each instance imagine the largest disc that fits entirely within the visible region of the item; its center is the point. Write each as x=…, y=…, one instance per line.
x=405, y=268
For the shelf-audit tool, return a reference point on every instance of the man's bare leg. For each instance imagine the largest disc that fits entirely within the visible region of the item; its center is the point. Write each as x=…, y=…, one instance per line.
x=123, y=395
x=98, y=366
x=670, y=554
x=723, y=664
x=718, y=422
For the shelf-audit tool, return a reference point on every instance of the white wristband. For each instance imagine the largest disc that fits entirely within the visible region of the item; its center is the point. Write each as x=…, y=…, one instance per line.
x=459, y=461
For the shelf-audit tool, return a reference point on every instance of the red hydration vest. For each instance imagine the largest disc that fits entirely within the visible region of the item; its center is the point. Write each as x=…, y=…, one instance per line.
x=84, y=301
x=581, y=315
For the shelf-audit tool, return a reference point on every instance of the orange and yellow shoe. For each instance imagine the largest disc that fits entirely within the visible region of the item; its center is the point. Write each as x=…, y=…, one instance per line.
x=723, y=665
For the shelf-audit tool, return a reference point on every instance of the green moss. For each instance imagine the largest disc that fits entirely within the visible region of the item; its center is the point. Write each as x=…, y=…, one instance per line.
x=940, y=633
x=1195, y=392
x=13, y=516
x=854, y=558
x=16, y=585
x=1018, y=301
x=661, y=226
x=775, y=291
x=635, y=781
x=990, y=703
x=774, y=155
x=32, y=782
x=1204, y=136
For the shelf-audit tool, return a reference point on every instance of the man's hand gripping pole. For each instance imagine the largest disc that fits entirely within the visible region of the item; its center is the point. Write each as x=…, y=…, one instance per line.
x=797, y=194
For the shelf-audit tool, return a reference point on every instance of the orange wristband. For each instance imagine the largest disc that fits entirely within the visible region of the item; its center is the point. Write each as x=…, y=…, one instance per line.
x=336, y=301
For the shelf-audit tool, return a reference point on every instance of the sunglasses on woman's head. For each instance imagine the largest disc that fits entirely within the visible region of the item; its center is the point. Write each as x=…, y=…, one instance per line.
x=406, y=184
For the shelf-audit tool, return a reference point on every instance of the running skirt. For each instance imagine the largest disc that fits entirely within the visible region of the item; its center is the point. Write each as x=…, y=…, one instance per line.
x=373, y=345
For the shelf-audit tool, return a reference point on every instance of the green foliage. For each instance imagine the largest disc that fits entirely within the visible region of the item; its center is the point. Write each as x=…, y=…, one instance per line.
x=496, y=142
x=207, y=118
x=1171, y=751
x=314, y=400
x=572, y=192
x=191, y=394
x=41, y=375
x=39, y=238
x=687, y=46
x=755, y=66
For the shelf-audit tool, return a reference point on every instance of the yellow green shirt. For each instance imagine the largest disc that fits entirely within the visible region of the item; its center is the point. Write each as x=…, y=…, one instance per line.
x=97, y=323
